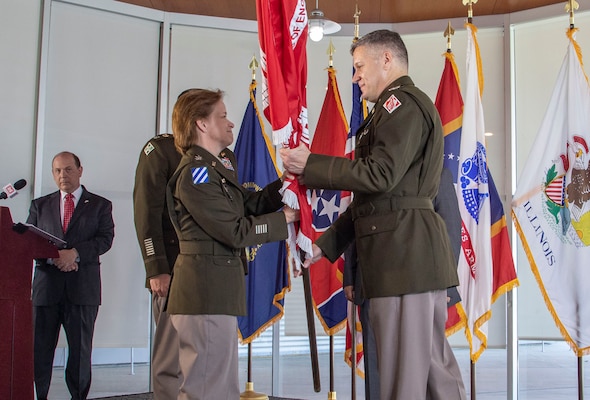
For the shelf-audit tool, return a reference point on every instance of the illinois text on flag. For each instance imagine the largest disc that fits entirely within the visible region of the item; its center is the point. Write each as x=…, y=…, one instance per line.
x=551, y=205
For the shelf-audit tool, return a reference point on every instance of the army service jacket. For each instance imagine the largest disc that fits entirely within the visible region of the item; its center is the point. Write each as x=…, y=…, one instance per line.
x=156, y=235
x=215, y=218
x=402, y=243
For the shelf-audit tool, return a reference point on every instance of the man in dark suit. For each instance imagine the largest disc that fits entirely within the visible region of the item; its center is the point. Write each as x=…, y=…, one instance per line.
x=67, y=290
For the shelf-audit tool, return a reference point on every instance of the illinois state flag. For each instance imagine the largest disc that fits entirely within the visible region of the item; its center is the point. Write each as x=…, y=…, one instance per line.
x=282, y=35
x=449, y=104
x=484, y=237
x=552, y=202
x=268, y=277
x=325, y=277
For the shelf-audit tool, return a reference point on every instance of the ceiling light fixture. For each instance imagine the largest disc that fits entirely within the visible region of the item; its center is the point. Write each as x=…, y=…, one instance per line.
x=320, y=26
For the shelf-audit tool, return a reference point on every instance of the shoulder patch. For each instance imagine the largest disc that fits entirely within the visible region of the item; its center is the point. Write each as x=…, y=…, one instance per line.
x=148, y=148
x=200, y=175
x=392, y=103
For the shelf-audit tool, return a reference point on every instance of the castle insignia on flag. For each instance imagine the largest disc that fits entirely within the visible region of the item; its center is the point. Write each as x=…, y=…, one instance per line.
x=200, y=175
x=392, y=103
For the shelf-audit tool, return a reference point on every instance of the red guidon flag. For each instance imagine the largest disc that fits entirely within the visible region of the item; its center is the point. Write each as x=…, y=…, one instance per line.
x=282, y=33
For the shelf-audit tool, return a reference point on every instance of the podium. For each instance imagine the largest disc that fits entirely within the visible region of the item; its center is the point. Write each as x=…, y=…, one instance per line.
x=17, y=251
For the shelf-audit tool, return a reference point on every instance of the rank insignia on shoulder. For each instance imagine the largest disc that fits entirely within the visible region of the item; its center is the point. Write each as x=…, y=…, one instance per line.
x=200, y=175
x=148, y=148
x=198, y=157
x=392, y=103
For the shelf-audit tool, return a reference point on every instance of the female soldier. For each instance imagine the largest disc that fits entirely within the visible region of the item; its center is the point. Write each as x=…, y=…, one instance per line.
x=215, y=218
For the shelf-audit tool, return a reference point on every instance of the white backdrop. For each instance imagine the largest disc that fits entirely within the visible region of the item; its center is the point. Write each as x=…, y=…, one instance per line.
x=101, y=102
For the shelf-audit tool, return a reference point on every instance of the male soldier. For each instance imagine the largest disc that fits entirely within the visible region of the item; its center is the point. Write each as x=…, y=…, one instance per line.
x=159, y=246
x=404, y=250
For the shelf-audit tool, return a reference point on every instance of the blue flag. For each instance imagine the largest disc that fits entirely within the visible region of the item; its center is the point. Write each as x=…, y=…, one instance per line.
x=268, y=276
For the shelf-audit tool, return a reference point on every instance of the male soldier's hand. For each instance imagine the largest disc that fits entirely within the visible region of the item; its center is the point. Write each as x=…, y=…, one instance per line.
x=160, y=284
x=294, y=160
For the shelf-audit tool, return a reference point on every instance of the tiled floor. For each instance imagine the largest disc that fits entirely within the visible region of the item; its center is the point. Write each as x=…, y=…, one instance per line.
x=547, y=371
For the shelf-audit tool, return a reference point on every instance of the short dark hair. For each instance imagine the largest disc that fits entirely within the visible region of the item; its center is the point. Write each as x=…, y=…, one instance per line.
x=191, y=105
x=65, y=153
x=385, y=39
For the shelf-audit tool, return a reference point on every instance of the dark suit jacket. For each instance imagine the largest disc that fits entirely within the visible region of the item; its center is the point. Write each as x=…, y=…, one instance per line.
x=90, y=232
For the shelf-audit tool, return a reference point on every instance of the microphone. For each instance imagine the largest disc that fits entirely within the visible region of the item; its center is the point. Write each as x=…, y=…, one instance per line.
x=12, y=190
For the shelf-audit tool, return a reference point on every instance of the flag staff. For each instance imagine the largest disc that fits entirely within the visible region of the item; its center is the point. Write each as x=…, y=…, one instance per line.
x=331, y=392
x=253, y=65
x=249, y=393
x=356, y=16
x=469, y=4
x=448, y=33
x=570, y=6
x=330, y=52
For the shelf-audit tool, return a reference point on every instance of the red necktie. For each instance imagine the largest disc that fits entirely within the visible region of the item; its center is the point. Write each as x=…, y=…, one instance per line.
x=68, y=210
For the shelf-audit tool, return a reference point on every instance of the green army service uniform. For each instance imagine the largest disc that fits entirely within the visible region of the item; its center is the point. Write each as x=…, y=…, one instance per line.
x=159, y=248
x=156, y=235
x=215, y=218
x=402, y=244
x=404, y=252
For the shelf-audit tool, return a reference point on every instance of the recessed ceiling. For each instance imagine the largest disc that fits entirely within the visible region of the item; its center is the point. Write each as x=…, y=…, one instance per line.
x=342, y=11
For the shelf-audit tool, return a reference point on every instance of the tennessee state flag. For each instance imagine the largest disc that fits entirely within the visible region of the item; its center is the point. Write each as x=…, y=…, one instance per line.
x=268, y=275
x=551, y=203
x=449, y=104
x=282, y=35
x=325, y=277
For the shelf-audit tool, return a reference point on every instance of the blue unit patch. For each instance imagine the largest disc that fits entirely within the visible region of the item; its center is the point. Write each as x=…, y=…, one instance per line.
x=200, y=175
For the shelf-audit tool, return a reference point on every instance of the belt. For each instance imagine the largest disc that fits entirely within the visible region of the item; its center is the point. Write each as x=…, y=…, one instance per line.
x=207, y=247
x=392, y=204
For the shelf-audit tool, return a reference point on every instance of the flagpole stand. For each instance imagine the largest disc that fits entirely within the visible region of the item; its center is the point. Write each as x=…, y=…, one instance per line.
x=249, y=393
x=331, y=395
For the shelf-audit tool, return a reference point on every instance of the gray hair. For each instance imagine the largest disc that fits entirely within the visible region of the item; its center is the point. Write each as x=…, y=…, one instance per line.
x=385, y=40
